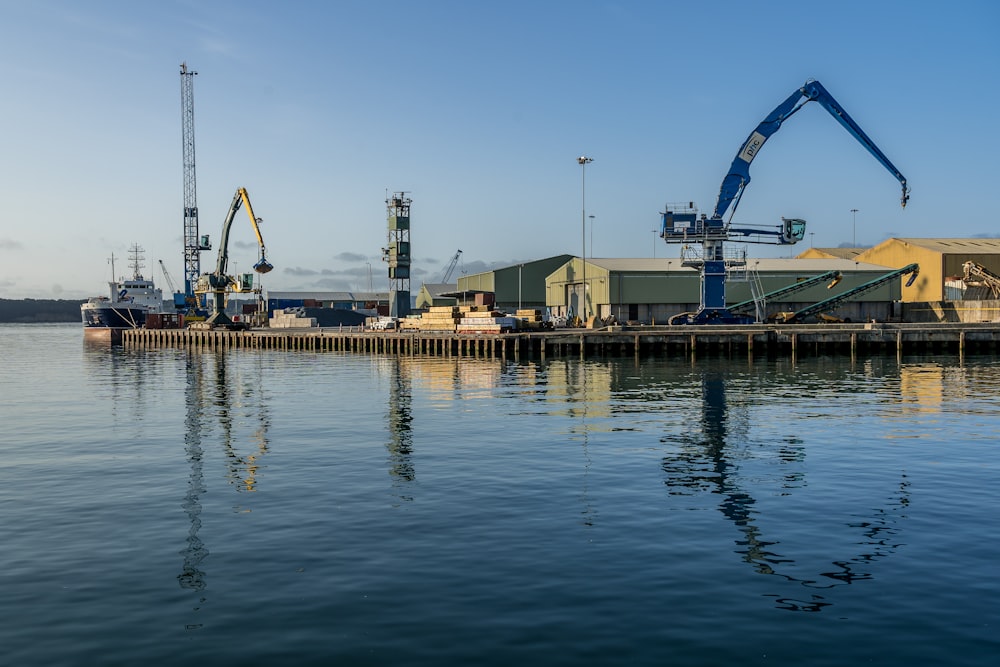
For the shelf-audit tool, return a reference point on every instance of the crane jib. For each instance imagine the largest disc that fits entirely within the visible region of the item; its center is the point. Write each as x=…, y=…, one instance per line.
x=752, y=147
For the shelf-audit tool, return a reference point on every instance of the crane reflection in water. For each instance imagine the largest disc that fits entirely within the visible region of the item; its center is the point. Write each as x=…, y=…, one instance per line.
x=214, y=399
x=709, y=460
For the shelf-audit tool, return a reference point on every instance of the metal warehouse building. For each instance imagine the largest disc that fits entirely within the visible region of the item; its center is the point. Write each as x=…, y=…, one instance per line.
x=653, y=290
x=516, y=286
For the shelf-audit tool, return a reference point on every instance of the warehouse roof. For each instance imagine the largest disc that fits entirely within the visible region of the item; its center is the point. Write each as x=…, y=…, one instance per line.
x=842, y=253
x=763, y=264
x=330, y=296
x=439, y=289
x=948, y=246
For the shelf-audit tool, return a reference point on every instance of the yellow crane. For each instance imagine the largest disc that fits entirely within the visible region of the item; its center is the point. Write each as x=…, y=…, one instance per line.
x=219, y=282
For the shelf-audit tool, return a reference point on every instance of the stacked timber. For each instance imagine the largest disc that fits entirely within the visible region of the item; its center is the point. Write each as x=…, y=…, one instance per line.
x=461, y=319
x=440, y=318
x=409, y=323
x=291, y=318
x=529, y=318
x=487, y=325
x=485, y=320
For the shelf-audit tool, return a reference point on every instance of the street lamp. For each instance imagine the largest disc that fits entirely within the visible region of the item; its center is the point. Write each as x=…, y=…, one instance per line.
x=854, y=227
x=591, y=235
x=519, y=267
x=583, y=160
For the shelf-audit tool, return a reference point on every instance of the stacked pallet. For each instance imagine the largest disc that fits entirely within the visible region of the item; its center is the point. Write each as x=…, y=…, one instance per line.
x=291, y=318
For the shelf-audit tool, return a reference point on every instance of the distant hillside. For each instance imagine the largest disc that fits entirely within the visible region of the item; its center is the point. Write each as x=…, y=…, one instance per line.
x=39, y=310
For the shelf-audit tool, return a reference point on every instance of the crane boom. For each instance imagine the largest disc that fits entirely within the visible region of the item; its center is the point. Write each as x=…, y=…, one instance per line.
x=240, y=198
x=166, y=276
x=446, y=276
x=738, y=177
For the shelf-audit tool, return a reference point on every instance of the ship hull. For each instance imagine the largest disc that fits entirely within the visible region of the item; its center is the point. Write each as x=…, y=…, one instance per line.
x=111, y=335
x=112, y=317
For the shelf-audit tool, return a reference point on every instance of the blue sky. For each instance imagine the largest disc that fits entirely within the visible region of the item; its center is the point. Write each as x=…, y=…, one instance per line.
x=479, y=111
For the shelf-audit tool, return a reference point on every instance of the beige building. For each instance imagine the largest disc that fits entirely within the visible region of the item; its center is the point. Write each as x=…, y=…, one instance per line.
x=940, y=260
x=433, y=294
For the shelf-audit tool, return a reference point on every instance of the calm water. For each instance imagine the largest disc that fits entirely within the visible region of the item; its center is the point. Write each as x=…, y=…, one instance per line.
x=292, y=508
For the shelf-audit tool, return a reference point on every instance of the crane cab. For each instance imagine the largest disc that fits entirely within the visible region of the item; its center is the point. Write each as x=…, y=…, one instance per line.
x=793, y=230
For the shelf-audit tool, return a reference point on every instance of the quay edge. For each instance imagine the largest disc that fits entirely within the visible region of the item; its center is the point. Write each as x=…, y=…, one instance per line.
x=754, y=339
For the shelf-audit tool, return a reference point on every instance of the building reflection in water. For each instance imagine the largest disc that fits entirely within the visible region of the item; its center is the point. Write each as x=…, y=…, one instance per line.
x=708, y=459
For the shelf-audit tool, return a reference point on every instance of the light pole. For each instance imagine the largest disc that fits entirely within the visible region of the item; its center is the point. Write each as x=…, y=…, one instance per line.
x=519, y=267
x=854, y=227
x=654, y=243
x=591, y=235
x=583, y=160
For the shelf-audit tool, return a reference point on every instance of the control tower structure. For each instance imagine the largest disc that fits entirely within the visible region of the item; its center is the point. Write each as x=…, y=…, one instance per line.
x=397, y=253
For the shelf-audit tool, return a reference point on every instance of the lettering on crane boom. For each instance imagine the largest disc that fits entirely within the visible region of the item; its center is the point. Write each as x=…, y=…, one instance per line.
x=751, y=147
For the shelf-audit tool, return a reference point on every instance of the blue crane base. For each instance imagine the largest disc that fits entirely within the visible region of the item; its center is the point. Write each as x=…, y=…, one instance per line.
x=713, y=298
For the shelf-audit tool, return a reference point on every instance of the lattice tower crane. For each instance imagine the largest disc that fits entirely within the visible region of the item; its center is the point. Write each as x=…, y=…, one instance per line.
x=192, y=244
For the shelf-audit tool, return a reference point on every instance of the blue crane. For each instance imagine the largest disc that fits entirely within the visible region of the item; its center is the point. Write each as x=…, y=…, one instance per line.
x=683, y=224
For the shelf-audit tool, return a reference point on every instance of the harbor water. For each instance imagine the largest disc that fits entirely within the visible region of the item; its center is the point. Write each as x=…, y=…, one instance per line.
x=268, y=507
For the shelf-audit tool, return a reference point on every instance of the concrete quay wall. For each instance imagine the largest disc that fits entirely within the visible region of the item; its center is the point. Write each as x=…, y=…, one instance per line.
x=584, y=343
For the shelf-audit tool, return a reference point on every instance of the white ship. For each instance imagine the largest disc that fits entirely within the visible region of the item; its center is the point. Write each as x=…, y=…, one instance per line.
x=128, y=303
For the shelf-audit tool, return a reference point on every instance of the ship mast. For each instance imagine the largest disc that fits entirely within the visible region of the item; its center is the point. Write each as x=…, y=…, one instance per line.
x=135, y=260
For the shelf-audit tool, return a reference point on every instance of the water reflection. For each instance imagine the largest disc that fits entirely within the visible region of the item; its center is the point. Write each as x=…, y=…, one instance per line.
x=127, y=374
x=399, y=417
x=709, y=459
x=192, y=576
x=213, y=397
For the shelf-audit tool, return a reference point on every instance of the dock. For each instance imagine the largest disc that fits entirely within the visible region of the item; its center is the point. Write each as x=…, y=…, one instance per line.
x=686, y=341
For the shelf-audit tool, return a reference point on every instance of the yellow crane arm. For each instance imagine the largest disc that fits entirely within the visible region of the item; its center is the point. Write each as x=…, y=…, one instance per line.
x=263, y=266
